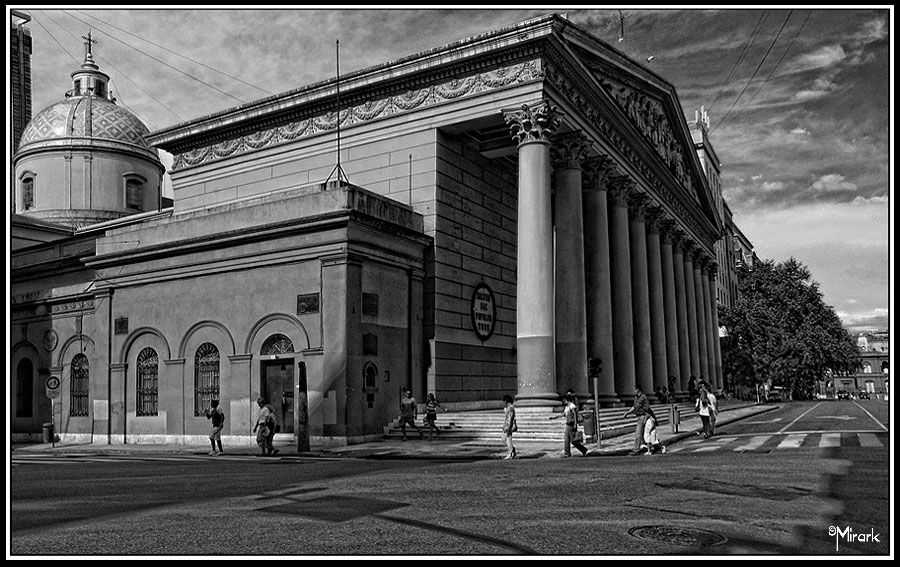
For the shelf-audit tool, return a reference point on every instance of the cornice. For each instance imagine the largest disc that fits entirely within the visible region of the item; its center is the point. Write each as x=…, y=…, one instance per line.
x=263, y=133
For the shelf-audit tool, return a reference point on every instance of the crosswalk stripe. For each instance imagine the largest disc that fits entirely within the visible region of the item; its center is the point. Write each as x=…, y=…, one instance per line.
x=830, y=440
x=754, y=443
x=792, y=442
x=707, y=449
x=869, y=440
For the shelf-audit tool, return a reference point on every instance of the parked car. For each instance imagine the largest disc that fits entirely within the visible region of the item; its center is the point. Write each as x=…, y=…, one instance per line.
x=864, y=396
x=843, y=395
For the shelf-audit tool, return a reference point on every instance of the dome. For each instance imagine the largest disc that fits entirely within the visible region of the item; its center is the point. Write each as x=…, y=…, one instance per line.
x=81, y=120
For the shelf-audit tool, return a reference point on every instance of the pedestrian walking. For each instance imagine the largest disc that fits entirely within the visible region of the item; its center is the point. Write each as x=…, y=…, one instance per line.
x=573, y=436
x=692, y=389
x=640, y=408
x=265, y=428
x=509, y=425
x=431, y=406
x=409, y=411
x=713, y=410
x=215, y=413
x=652, y=443
x=702, y=407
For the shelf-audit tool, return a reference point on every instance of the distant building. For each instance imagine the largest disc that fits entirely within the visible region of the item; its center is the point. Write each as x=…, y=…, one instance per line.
x=19, y=77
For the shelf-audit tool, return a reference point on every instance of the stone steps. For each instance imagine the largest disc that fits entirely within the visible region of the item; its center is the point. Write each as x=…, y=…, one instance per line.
x=486, y=425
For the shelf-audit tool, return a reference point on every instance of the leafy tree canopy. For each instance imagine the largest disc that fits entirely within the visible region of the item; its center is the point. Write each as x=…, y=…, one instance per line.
x=781, y=329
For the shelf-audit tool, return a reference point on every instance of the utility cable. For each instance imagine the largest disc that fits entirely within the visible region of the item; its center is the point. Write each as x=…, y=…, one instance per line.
x=777, y=35
x=740, y=57
x=107, y=63
x=66, y=51
x=176, y=53
x=797, y=33
x=160, y=61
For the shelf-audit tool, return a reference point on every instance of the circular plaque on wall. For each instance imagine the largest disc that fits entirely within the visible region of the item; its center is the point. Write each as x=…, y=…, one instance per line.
x=484, y=311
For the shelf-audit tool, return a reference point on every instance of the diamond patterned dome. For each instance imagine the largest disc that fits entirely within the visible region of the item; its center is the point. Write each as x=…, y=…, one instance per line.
x=85, y=117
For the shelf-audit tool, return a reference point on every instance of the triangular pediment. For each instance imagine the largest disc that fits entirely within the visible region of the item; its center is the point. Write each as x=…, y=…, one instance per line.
x=650, y=105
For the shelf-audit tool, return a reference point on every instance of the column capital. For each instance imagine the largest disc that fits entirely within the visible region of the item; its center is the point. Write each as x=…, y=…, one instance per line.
x=620, y=187
x=638, y=203
x=569, y=150
x=667, y=229
x=688, y=248
x=532, y=123
x=598, y=171
x=655, y=217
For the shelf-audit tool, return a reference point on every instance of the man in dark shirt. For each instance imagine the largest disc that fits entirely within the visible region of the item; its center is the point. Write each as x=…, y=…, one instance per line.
x=640, y=410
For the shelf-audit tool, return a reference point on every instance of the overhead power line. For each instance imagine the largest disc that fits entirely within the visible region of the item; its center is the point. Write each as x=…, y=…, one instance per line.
x=202, y=82
x=175, y=53
x=53, y=37
x=777, y=35
x=107, y=63
x=797, y=33
x=740, y=57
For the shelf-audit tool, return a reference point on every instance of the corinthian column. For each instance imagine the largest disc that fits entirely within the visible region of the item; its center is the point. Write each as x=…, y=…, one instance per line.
x=571, y=349
x=681, y=315
x=598, y=287
x=640, y=292
x=620, y=273
x=715, y=350
x=657, y=308
x=702, y=321
x=691, y=296
x=531, y=127
x=673, y=360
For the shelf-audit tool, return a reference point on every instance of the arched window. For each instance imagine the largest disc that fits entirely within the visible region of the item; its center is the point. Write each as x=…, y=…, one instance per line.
x=134, y=193
x=80, y=386
x=277, y=344
x=148, y=382
x=25, y=388
x=27, y=193
x=206, y=377
x=867, y=368
x=885, y=367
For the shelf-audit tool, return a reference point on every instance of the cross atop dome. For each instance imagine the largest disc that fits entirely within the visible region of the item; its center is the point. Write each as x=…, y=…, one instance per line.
x=88, y=52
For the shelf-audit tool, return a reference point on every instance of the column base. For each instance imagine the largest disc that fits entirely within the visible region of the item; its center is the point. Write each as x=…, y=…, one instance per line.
x=540, y=400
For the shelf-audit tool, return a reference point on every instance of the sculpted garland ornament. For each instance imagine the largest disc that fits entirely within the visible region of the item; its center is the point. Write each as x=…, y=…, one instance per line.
x=370, y=110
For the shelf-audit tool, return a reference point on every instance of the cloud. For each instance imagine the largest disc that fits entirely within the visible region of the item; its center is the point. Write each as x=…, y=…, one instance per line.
x=860, y=321
x=800, y=131
x=825, y=56
x=833, y=182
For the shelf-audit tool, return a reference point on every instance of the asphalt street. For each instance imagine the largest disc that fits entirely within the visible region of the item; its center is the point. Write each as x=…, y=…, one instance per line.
x=775, y=483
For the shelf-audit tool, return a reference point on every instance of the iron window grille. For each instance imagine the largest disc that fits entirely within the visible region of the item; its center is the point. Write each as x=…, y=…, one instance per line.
x=148, y=382
x=80, y=382
x=206, y=377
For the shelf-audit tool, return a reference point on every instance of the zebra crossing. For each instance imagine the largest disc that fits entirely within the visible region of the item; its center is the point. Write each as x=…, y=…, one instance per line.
x=86, y=459
x=782, y=441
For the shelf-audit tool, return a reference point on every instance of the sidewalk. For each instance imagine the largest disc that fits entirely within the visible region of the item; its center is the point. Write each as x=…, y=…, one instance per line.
x=415, y=448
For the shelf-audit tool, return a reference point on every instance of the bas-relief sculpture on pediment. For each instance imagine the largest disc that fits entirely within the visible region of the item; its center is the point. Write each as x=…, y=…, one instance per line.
x=650, y=119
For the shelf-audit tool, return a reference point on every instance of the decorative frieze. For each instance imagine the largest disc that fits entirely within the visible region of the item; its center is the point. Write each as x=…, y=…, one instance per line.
x=370, y=110
x=533, y=123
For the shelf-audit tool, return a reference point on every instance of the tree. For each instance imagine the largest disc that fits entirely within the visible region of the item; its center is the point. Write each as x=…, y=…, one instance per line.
x=781, y=330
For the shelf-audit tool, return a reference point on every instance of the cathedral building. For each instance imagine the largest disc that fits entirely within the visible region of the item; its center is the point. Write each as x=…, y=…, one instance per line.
x=506, y=209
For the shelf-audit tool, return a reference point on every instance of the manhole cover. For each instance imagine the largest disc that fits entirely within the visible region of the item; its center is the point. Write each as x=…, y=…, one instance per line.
x=678, y=536
x=335, y=508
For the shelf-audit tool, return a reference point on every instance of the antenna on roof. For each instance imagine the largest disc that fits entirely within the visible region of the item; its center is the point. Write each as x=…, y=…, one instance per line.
x=621, y=26
x=341, y=176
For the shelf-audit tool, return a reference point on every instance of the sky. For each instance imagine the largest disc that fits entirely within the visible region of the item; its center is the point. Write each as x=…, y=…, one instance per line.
x=800, y=101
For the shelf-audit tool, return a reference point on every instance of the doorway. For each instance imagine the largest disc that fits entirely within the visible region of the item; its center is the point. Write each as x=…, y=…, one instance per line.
x=278, y=389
